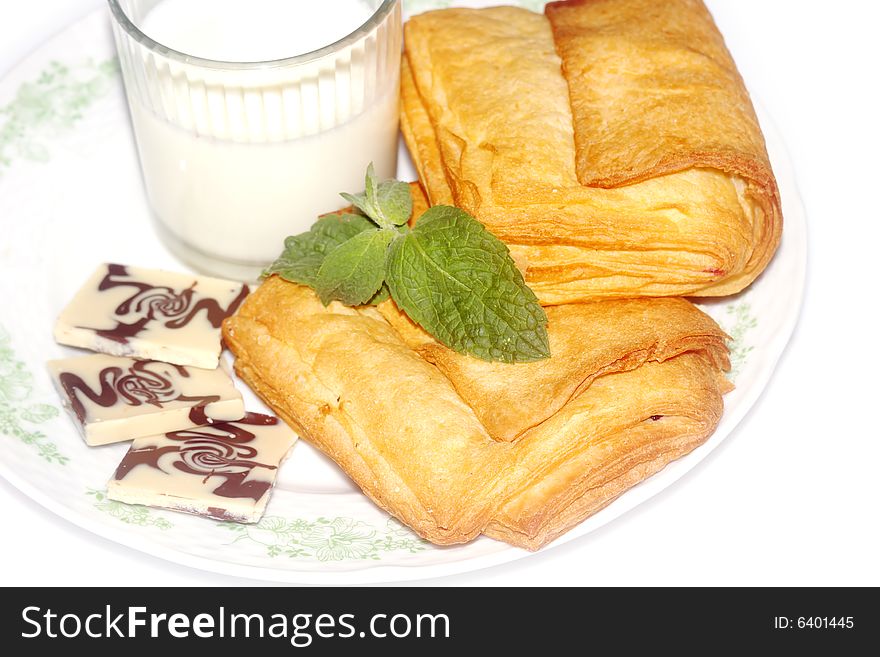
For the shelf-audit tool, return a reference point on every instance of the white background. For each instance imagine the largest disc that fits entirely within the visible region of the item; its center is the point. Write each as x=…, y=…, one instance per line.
x=791, y=497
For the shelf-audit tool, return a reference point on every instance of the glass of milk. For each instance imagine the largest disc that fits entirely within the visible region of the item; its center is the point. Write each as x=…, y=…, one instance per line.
x=252, y=115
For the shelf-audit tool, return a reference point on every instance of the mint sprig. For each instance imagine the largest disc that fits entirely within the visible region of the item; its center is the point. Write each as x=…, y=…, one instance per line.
x=448, y=273
x=354, y=271
x=304, y=254
x=452, y=275
x=389, y=203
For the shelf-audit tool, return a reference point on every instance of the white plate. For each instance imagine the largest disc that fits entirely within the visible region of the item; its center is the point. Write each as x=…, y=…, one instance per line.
x=71, y=196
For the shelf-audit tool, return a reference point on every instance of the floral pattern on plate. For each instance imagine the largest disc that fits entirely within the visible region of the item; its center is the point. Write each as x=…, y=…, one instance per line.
x=19, y=416
x=51, y=105
x=327, y=539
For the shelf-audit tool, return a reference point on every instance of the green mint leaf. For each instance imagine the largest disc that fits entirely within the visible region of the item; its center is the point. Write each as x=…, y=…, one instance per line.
x=297, y=263
x=354, y=271
x=371, y=193
x=388, y=203
x=360, y=202
x=335, y=229
x=449, y=274
x=304, y=254
x=395, y=201
x=458, y=281
x=381, y=296
x=367, y=201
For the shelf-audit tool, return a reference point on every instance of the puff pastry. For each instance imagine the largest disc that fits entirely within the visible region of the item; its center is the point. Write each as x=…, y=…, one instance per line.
x=611, y=144
x=416, y=428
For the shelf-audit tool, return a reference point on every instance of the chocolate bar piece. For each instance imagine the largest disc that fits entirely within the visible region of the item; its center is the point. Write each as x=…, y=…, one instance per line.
x=225, y=470
x=113, y=399
x=144, y=313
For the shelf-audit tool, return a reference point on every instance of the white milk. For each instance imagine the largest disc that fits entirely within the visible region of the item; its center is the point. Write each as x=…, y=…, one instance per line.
x=253, y=30
x=235, y=160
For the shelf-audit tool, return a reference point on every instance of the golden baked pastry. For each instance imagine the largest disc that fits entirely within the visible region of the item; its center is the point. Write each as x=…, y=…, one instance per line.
x=456, y=447
x=611, y=144
x=587, y=341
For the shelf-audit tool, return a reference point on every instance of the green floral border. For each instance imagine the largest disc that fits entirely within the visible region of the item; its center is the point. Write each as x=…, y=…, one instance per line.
x=418, y=6
x=323, y=539
x=130, y=514
x=50, y=105
x=743, y=322
x=326, y=539
x=17, y=415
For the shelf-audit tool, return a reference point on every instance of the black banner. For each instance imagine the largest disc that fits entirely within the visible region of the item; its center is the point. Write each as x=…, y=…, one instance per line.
x=401, y=620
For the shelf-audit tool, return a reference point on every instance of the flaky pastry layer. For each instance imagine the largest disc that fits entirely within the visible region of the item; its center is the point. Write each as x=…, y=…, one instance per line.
x=611, y=144
x=414, y=428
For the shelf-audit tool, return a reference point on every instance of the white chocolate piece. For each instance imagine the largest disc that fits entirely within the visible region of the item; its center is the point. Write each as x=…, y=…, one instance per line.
x=224, y=471
x=113, y=399
x=150, y=314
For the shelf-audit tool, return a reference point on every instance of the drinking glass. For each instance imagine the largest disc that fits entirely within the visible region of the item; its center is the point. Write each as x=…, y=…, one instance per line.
x=237, y=155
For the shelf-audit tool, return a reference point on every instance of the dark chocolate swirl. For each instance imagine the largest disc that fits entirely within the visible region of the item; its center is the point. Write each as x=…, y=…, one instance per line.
x=175, y=309
x=158, y=302
x=219, y=450
x=137, y=386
